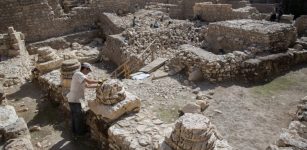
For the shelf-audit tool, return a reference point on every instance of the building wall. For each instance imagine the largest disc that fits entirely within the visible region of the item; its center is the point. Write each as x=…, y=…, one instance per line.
x=43, y=19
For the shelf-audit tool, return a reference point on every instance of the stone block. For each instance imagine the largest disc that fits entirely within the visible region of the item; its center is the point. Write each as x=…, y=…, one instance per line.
x=16, y=130
x=8, y=116
x=112, y=112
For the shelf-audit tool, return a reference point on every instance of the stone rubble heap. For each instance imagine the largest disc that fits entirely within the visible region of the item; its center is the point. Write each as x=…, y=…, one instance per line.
x=150, y=26
x=192, y=131
x=12, y=44
x=294, y=137
x=48, y=60
x=14, y=130
x=168, y=39
x=112, y=101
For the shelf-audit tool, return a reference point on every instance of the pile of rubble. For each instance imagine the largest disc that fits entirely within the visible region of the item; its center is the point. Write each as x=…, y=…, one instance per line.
x=153, y=30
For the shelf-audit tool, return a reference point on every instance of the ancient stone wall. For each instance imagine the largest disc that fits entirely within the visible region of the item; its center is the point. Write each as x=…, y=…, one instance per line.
x=301, y=25
x=243, y=34
x=210, y=12
x=40, y=20
x=264, y=8
x=236, y=65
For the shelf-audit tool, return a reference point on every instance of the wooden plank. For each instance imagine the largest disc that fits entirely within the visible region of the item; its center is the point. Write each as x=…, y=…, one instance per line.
x=153, y=66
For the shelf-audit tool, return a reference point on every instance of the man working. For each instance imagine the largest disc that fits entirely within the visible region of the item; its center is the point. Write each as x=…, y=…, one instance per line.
x=78, y=84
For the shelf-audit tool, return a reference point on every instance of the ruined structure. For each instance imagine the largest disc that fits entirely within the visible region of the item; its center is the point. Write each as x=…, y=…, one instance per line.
x=11, y=44
x=211, y=40
x=243, y=34
x=210, y=12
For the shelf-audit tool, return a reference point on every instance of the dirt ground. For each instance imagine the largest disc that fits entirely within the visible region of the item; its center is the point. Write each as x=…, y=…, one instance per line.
x=249, y=117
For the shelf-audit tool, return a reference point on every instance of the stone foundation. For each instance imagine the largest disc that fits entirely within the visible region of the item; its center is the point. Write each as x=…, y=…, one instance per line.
x=244, y=34
x=236, y=65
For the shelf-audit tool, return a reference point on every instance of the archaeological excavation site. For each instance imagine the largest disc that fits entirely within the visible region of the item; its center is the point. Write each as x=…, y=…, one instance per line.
x=153, y=74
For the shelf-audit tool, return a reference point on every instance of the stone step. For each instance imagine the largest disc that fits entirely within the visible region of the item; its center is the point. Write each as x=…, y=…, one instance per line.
x=153, y=66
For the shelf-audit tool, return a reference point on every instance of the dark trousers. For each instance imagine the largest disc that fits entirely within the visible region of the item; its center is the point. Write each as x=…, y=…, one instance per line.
x=77, y=119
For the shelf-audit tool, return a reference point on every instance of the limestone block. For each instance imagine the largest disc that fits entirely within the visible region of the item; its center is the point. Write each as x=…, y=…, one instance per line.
x=16, y=130
x=18, y=144
x=192, y=132
x=111, y=92
x=112, y=112
x=8, y=116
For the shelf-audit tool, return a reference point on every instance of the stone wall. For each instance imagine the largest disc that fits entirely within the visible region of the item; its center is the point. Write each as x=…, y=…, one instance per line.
x=301, y=25
x=40, y=20
x=243, y=34
x=210, y=12
x=236, y=65
x=264, y=8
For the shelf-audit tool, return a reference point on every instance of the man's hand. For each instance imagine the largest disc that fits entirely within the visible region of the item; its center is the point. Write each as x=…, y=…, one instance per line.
x=102, y=81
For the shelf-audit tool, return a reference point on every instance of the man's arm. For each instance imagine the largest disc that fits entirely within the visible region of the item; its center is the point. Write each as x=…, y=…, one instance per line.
x=91, y=85
x=89, y=81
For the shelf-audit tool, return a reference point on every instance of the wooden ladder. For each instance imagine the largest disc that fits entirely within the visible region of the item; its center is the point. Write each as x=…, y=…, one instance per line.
x=129, y=66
